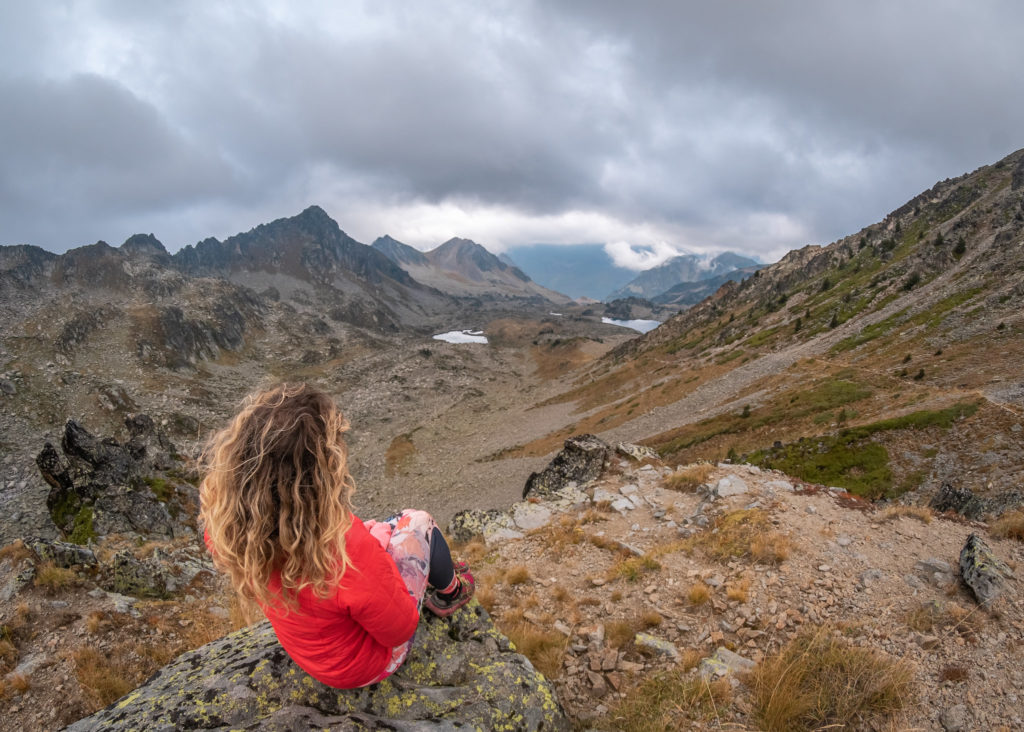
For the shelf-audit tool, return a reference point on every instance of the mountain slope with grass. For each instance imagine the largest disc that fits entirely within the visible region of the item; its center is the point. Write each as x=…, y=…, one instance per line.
x=893, y=354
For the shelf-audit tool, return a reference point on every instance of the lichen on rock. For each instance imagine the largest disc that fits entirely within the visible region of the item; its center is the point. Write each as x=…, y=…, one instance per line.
x=460, y=674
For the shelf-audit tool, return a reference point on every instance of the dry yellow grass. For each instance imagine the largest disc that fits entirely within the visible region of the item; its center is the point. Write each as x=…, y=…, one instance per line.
x=618, y=633
x=517, y=575
x=19, y=683
x=105, y=677
x=747, y=533
x=687, y=479
x=921, y=513
x=738, y=590
x=544, y=648
x=8, y=655
x=651, y=619
x=698, y=594
x=633, y=568
x=691, y=657
x=1009, y=526
x=51, y=578
x=669, y=700
x=820, y=681
x=16, y=551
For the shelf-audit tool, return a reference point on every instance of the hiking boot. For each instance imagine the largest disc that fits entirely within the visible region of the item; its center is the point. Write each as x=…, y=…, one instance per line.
x=443, y=608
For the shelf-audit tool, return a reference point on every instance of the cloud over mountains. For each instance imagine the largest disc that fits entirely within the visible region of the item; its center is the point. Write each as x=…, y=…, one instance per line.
x=753, y=128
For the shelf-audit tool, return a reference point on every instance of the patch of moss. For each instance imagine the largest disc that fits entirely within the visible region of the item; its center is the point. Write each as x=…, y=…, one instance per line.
x=163, y=490
x=82, y=530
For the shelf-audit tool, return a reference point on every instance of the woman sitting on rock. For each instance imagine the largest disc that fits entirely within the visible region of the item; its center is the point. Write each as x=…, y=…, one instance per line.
x=343, y=595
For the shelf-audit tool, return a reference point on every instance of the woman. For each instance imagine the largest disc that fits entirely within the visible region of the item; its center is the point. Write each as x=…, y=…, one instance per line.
x=343, y=595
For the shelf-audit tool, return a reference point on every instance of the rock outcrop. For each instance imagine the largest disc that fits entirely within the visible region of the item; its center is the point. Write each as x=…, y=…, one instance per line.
x=580, y=461
x=100, y=486
x=461, y=674
x=982, y=571
x=963, y=501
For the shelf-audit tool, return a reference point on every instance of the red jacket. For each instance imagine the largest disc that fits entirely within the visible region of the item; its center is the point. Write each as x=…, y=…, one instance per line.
x=346, y=639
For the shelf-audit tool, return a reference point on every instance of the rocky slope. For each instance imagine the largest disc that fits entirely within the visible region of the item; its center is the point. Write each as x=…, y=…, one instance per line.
x=638, y=572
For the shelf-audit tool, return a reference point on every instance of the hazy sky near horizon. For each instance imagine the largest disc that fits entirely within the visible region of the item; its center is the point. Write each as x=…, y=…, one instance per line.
x=655, y=127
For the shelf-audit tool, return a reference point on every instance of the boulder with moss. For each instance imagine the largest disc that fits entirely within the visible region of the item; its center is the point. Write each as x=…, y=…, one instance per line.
x=100, y=486
x=461, y=674
x=580, y=461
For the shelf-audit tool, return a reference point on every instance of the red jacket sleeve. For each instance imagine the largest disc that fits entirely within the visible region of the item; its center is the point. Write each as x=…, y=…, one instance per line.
x=385, y=609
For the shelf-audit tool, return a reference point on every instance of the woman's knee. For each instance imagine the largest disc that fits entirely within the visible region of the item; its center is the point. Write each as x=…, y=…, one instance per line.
x=417, y=518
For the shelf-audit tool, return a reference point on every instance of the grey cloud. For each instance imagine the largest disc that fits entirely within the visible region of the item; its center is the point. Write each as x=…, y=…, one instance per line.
x=693, y=117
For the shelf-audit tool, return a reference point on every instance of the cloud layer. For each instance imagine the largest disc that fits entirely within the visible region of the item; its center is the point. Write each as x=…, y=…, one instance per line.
x=655, y=127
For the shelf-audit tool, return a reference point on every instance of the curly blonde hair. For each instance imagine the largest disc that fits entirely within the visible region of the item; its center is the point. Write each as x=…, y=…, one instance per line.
x=276, y=494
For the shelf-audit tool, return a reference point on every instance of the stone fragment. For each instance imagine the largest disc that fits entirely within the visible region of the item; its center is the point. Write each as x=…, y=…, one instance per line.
x=659, y=646
x=730, y=485
x=981, y=570
x=530, y=516
x=779, y=485
x=723, y=663
x=622, y=505
x=955, y=719
x=597, y=684
x=636, y=452
x=603, y=495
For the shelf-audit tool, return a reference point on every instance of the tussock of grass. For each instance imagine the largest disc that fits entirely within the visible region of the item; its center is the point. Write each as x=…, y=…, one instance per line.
x=698, y=594
x=651, y=619
x=921, y=513
x=689, y=478
x=544, y=648
x=1009, y=526
x=618, y=633
x=52, y=578
x=517, y=575
x=747, y=533
x=8, y=656
x=819, y=681
x=106, y=677
x=16, y=551
x=18, y=683
x=633, y=568
x=738, y=591
x=670, y=700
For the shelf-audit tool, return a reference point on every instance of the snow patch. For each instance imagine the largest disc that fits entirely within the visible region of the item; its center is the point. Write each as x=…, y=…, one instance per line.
x=462, y=336
x=643, y=326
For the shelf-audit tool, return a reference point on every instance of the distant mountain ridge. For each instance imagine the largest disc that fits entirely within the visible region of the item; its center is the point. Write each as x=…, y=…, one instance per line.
x=651, y=283
x=578, y=270
x=463, y=268
x=686, y=294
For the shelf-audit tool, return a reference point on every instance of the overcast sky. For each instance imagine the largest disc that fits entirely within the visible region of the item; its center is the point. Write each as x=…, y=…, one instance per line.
x=656, y=127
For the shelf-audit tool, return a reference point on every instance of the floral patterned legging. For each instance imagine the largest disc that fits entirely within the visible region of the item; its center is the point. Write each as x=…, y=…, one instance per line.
x=406, y=537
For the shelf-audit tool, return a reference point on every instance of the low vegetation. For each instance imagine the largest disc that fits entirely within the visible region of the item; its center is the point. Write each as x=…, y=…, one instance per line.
x=670, y=700
x=744, y=534
x=851, y=459
x=820, y=681
x=689, y=478
x=1009, y=526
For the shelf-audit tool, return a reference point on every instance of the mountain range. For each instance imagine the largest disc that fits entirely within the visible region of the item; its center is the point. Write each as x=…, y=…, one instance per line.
x=827, y=402
x=685, y=268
